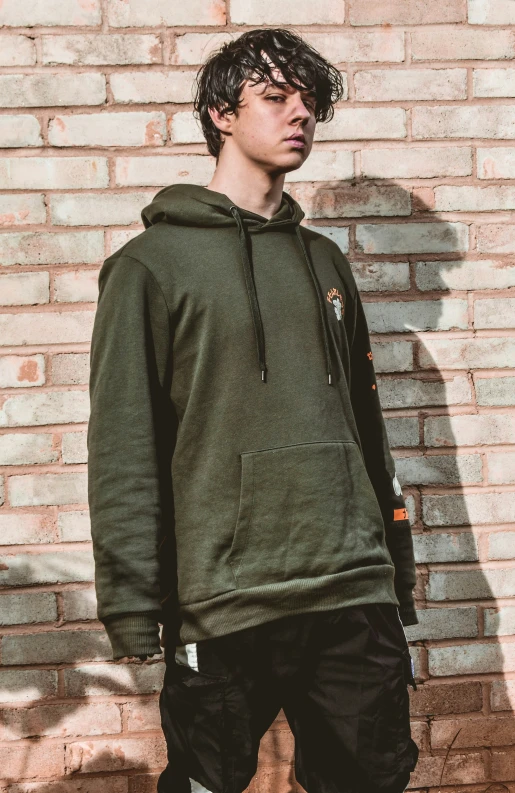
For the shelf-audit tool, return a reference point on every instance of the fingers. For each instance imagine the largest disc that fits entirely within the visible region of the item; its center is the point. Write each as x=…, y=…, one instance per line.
x=127, y=658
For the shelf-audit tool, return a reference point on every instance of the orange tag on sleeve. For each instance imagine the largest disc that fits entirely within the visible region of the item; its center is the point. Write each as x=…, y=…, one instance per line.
x=400, y=514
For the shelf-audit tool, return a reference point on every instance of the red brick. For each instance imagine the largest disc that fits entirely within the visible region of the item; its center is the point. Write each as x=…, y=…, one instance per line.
x=441, y=700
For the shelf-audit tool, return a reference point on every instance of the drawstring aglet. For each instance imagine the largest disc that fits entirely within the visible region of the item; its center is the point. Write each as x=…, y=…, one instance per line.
x=263, y=378
x=329, y=375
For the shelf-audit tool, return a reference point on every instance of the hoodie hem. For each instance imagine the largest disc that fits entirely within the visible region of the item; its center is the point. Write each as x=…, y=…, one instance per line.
x=243, y=608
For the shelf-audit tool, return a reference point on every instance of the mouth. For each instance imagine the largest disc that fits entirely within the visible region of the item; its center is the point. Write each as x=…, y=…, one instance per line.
x=297, y=140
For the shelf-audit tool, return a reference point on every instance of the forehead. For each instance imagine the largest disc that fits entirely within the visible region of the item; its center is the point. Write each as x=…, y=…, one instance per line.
x=277, y=75
x=267, y=84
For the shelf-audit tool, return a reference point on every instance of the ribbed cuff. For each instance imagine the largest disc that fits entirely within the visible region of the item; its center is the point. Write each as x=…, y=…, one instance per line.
x=133, y=634
x=408, y=614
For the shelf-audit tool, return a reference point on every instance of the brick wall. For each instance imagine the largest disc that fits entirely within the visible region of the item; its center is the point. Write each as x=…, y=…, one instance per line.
x=415, y=179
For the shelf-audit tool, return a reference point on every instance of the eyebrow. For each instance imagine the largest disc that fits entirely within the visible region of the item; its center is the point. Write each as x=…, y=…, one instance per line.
x=271, y=86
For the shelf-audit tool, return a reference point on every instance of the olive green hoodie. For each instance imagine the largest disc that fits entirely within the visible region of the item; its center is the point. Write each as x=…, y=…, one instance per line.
x=238, y=466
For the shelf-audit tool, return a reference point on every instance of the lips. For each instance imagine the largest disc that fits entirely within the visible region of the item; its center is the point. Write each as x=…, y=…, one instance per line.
x=298, y=137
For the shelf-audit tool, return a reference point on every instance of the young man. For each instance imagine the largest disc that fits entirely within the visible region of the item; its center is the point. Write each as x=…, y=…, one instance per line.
x=241, y=487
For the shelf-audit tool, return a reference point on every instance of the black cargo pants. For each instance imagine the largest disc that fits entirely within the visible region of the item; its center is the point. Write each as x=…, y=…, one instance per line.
x=341, y=677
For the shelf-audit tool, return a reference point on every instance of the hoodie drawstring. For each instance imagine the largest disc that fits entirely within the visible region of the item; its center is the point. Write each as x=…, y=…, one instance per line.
x=321, y=305
x=251, y=290
x=254, y=304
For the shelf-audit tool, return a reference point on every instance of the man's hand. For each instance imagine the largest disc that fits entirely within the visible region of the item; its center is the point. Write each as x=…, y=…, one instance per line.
x=135, y=657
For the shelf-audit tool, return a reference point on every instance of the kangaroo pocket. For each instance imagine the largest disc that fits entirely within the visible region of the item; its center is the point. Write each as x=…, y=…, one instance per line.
x=305, y=510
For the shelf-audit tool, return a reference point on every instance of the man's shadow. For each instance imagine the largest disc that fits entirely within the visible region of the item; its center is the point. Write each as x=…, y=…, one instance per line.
x=405, y=274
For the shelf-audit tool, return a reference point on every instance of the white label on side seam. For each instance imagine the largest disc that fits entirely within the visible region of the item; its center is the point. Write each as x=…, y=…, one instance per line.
x=186, y=654
x=402, y=626
x=196, y=787
x=191, y=652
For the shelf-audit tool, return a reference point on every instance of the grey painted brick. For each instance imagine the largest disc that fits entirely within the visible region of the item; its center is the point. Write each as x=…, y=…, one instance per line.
x=75, y=447
x=494, y=312
x=410, y=506
x=25, y=289
x=496, y=162
x=391, y=317
x=56, y=647
x=501, y=545
x=472, y=508
x=468, y=120
x=364, y=123
x=339, y=234
x=24, y=685
x=97, y=49
x=48, y=327
x=439, y=469
x=53, y=407
x=474, y=658
x=470, y=430
x=47, y=568
x=76, y=209
x=415, y=392
x=46, y=489
x=393, y=356
x=80, y=604
x=402, y=431
x=74, y=525
x=71, y=368
x=21, y=528
x=501, y=470
x=381, y=276
x=444, y=623
x=24, y=448
x=412, y=237
x=27, y=608
x=435, y=547
x=45, y=90
x=19, y=130
x=101, y=680
x=495, y=390
x=22, y=371
x=478, y=353
x=42, y=173
x=58, y=247
x=461, y=275
x=502, y=695
x=500, y=621
x=416, y=654
x=60, y=720
x=471, y=584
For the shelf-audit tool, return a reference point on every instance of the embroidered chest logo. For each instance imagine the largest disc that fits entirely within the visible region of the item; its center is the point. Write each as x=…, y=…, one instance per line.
x=334, y=297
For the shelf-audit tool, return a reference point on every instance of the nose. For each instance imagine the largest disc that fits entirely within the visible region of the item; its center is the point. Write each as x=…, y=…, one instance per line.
x=300, y=111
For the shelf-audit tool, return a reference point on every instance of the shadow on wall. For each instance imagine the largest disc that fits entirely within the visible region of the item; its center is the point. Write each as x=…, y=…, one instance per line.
x=411, y=264
x=65, y=703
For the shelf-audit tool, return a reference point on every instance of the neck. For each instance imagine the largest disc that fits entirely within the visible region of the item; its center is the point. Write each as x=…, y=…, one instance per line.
x=247, y=185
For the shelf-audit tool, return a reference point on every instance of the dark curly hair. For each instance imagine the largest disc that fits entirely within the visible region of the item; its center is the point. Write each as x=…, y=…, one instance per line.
x=220, y=79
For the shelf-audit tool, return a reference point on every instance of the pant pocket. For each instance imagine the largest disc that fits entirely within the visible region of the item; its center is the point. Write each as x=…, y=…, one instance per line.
x=192, y=707
x=386, y=749
x=305, y=510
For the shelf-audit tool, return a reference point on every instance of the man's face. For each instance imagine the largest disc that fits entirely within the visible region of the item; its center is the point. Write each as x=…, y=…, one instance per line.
x=267, y=117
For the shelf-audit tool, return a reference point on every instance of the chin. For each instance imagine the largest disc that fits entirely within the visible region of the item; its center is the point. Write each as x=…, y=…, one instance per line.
x=290, y=162
x=293, y=166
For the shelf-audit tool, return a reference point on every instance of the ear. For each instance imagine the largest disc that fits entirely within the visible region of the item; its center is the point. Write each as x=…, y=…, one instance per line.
x=221, y=121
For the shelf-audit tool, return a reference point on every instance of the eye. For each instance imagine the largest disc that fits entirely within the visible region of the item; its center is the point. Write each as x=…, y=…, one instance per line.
x=275, y=96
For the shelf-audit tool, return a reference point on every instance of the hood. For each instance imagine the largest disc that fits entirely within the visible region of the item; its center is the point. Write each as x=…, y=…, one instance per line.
x=193, y=205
